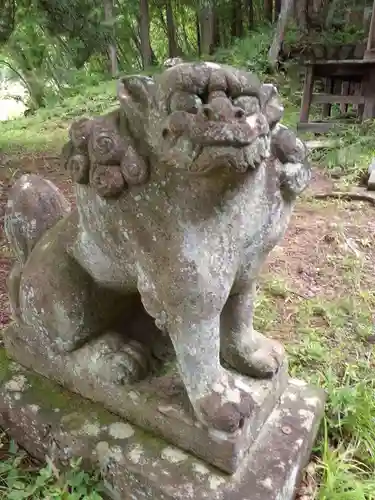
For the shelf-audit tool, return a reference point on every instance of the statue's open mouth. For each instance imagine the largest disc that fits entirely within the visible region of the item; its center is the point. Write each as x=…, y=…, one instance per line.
x=216, y=133
x=240, y=144
x=240, y=159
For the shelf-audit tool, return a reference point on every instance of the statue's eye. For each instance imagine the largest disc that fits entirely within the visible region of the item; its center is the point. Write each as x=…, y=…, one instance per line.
x=183, y=101
x=249, y=104
x=165, y=132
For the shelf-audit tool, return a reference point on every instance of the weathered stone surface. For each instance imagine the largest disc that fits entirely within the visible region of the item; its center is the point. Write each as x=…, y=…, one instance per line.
x=158, y=404
x=172, y=61
x=181, y=194
x=371, y=167
x=47, y=420
x=371, y=181
x=30, y=213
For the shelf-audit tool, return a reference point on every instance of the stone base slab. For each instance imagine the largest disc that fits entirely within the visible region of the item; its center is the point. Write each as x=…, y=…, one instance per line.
x=48, y=420
x=158, y=404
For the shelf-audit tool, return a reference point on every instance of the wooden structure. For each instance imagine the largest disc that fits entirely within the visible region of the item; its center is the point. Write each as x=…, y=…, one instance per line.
x=345, y=82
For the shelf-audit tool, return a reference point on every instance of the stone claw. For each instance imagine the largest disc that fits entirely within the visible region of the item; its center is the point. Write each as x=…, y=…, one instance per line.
x=261, y=358
x=226, y=410
x=116, y=360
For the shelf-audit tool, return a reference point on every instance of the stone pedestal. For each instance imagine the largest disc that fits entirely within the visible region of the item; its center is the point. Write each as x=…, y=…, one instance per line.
x=48, y=420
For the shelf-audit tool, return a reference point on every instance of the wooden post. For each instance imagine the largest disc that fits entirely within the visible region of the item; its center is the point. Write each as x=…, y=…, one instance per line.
x=361, y=107
x=345, y=87
x=307, y=94
x=369, y=93
x=328, y=89
x=370, y=49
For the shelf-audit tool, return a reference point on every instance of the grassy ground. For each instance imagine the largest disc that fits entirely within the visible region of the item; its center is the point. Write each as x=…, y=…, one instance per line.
x=21, y=478
x=317, y=294
x=46, y=131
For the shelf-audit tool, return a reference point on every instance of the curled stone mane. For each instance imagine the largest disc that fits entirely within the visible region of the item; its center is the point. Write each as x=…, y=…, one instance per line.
x=98, y=155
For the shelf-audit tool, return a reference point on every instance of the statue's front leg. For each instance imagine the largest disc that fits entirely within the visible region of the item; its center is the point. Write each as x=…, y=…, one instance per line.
x=192, y=320
x=217, y=400
x=243, y=348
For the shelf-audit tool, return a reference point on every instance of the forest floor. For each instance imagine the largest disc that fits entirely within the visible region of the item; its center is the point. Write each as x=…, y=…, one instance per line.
x=316, y=291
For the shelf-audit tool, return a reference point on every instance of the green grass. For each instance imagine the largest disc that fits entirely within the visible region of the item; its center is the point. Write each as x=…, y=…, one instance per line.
x=354, y=152
x=21, y=479
x=328, y=347
x=47, y=130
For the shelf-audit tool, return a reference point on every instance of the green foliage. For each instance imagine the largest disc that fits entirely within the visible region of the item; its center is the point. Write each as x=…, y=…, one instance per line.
x=342, y=476
x=354, y=151
x=51, y=40
x=186, y=32
x=331, y=354
x=329, y=348
x=46, y=131
x=347, y=34
x=7, y=19
x=20, y=482
x=250, y=52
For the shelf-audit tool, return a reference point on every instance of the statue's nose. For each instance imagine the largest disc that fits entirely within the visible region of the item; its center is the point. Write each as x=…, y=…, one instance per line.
x=258, y=122
x=209, y=112
x=221, y=109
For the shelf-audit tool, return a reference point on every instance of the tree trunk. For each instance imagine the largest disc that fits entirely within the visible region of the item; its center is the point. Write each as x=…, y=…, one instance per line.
x=277, y=9
x=198, y=29
x=206, y=18
x=218, y=40
x=250, y=14
x=268, y=10
x=173, y=48
x=144, y=28
x=112, y=51
x=237, y=19
x=300, y=11
x=273, y=54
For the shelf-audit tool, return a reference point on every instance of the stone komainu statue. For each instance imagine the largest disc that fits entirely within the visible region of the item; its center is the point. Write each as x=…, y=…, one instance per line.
x=181, y=194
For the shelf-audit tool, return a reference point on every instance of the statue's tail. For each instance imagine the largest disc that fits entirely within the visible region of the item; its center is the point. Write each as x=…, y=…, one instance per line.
x=34, y=206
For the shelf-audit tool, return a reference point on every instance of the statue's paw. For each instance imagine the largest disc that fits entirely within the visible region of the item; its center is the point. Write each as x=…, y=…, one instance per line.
x=260, y=358
x=129, y=364
x=117, y=361
x=225, y=408
x=294, y=178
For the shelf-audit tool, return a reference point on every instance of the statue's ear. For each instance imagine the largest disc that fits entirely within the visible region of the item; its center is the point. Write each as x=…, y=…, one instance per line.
x=135, y=93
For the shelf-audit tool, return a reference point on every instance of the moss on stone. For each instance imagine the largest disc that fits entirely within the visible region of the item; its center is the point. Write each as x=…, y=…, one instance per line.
x=5, y=372
x=74, y=421
x=50, y=396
